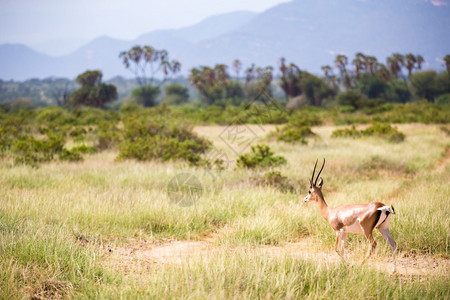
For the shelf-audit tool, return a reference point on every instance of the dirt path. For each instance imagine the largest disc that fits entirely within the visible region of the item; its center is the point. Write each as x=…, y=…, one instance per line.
x=141, y=256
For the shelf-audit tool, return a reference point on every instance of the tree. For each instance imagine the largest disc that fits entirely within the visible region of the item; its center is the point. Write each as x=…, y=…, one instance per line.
x=146, y=63
x=360, y=63
x=423, y=84
x=395, y=64
x=176, y=94
x=371, y=86
x=59, y=90
x=397, y=91
x=210, y=82
x=349, y=98
x=447, y=62
x=237, y=66
x=315, y=89
x=411, y=61
x=290, y=78
x=371, y=64
x=145, y=95
x=257, y=81
x=92, y=91
x=420, y=61
x=341, y=62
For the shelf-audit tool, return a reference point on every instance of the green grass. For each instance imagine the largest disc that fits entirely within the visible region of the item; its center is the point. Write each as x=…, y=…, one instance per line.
x=247, y=274
x=55, y=220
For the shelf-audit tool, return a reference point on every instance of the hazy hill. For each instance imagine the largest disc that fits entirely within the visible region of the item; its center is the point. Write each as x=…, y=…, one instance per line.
x=307, y=32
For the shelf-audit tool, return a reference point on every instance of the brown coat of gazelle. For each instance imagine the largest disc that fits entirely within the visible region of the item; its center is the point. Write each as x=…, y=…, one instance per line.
x=353, y=218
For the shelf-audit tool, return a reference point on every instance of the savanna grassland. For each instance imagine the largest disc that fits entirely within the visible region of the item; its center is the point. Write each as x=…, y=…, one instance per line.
x=106, y=228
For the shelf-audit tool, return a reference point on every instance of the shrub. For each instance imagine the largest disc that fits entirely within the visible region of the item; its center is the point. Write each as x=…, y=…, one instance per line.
x=297, y=129
x=349, y=98
x=260, y=157
x=443, y=100
x=346, y=132
x=385, y=131
x=108, y=135
x=70, y=155
x=382, y=130
x=176, y=94
x=421, y=111
x=164, y=139
x=290, y=134
x=54, y=115
x=145, y=95
x=278, y=181
x=31, y=151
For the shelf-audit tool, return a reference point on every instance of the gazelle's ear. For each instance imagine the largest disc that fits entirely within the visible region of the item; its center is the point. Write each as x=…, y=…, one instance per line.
x=320, y=183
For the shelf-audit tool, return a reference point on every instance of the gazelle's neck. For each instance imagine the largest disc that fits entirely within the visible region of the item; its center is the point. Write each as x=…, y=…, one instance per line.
x=323, y=207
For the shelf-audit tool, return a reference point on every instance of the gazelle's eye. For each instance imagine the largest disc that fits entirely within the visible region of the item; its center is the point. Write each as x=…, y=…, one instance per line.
x=309, y=192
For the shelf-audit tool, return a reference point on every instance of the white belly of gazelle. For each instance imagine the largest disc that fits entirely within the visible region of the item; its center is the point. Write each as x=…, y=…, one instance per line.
x=353, y=228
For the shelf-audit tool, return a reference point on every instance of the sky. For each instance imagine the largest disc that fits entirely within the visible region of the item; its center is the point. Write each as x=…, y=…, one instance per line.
x=33, y=22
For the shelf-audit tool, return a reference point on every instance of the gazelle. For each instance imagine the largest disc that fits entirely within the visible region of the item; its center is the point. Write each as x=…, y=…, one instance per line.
x=353, y=218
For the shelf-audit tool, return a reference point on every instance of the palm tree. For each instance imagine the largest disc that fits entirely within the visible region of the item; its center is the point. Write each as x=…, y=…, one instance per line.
x=371, y=64
x=447, y=62
x=237, y=66
x=341, y=62
x=383, y=73
x=359, y=64
x=411, y=61
x=326, y=71
x=250, y=74
x=420, y=61
x=395, y=63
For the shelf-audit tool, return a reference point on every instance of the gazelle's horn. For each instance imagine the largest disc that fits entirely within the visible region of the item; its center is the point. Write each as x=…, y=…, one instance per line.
x=314, y=171
x=323, y=165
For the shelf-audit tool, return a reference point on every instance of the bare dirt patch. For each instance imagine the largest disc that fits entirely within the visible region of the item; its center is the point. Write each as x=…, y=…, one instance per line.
x=140, y=256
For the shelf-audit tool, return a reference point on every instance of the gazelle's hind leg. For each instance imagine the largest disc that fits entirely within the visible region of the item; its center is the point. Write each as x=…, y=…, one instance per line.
x=385, y=233
x=367, y=223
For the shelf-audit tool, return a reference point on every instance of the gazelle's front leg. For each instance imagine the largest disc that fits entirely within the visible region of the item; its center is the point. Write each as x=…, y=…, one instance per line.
x=338, y=239
x=343, y=241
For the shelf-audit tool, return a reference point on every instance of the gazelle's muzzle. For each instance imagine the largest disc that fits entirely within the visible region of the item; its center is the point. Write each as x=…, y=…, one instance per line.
x=306, y=199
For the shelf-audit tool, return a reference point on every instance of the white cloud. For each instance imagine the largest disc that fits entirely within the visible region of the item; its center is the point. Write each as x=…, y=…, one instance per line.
x=438, y=2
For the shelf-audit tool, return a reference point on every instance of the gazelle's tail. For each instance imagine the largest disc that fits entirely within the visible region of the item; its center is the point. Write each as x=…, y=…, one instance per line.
x=385, y=215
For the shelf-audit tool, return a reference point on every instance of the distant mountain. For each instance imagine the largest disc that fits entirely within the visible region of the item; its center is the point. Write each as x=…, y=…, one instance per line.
x=311, y=33
x=59, y=47
x=307, y=32
x=207, y=29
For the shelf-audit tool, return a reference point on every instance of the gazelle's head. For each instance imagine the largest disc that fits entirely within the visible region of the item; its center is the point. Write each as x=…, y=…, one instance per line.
x=315, y=188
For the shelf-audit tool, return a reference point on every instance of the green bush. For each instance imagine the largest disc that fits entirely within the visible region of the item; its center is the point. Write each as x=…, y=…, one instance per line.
x=291, y=134
x=31, y=151
x=346, y=132
x=260, y=157
x=298, y=127
x=145, y=95
x=70, y=155
x=108, y=135
x=443, y=100
x=164, y=139
x=176, y=94
x=381, y=130
x=278, y=181
x=385, y=131
x=54, y=115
